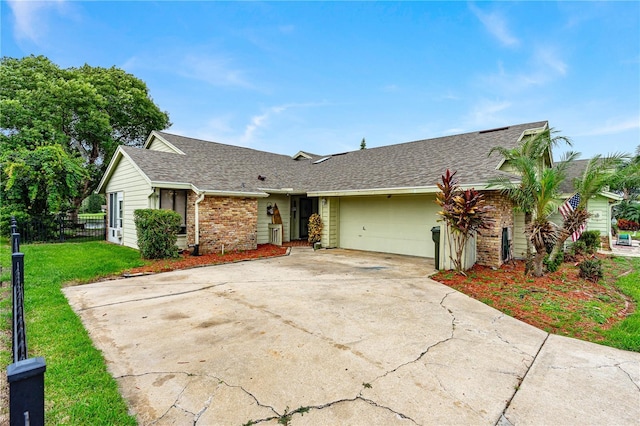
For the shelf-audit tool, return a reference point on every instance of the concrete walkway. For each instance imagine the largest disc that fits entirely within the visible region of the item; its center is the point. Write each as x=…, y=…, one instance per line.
x=342, y=337
x=628, y=251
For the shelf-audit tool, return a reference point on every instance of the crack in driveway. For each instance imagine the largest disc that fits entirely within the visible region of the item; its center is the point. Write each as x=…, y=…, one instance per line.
x=122, y=302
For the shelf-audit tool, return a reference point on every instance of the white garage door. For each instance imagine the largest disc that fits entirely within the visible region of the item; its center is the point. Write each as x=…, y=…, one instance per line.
x=399, y=224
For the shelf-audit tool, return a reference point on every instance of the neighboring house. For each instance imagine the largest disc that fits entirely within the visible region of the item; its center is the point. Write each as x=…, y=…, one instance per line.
x=377, y=199
x=599, y=206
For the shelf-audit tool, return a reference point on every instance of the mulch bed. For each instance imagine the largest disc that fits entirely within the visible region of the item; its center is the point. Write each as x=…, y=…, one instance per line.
x=560, y=302
x=186, y=260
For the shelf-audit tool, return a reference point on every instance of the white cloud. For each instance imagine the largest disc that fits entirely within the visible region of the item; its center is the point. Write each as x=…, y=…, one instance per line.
x=217, y=71
x=287, y=29
x=487, y=112
x=497, y=25
x=613, y=126
x=548, y=60
x=545, y=66
x=259, y=121
x=390, y=88
x=31, y=17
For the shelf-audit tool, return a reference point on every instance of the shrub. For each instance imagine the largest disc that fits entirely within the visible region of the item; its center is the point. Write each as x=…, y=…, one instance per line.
x=315, y=228
x=157, y=232
x=591, y=240
x=553, y=266
x=591, y=269
x=578, y=248
x=628, y=225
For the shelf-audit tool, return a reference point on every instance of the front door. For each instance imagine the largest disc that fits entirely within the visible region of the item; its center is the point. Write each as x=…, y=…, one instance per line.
x=114, y=234
x=306, y=210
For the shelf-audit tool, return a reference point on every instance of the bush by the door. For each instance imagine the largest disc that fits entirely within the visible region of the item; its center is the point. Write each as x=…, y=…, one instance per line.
x=157, y=232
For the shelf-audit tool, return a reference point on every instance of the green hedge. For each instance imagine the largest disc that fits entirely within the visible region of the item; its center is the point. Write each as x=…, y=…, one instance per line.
x=157, y=232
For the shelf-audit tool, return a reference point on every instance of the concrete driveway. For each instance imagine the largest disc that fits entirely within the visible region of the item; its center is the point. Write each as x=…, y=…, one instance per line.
x=356, y=338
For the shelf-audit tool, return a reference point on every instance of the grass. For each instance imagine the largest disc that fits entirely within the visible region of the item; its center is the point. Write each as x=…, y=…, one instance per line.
x=91, y=215
x=626, y=334
x=78, y=388
x=562, y=302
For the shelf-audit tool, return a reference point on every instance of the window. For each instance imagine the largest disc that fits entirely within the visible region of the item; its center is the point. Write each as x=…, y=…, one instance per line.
x=115, y=210
x=176, y=200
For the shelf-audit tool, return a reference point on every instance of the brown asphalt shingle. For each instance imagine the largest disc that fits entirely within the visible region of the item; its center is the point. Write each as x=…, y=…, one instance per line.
x=220, y=167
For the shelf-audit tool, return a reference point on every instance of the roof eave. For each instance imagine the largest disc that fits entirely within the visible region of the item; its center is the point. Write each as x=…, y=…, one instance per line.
x=411, y=190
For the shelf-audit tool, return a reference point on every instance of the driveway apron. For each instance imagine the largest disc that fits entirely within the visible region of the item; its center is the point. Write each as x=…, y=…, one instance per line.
x=341, y=337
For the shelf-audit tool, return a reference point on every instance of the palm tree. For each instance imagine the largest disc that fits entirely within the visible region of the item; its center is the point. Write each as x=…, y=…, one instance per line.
x=596, y=176
x=627, y=178
x=536, y=193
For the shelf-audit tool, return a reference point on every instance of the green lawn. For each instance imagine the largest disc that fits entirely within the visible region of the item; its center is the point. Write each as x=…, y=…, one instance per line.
x=626, y=334
x=91, y=215
x=78, y=388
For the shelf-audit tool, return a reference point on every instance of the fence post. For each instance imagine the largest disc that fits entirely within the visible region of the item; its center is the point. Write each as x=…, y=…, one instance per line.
x=26, y=392
x=25, y=376
x=15, y=237
x=17, y=283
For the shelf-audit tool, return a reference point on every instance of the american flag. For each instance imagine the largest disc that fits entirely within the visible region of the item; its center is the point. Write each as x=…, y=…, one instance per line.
x=567, y=208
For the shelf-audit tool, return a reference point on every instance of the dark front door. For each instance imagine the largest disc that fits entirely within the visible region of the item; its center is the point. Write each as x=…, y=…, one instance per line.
x=306, y=210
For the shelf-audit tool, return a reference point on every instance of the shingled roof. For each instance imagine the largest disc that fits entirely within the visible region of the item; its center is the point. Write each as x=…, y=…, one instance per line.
x=574, y=171
x=412, y=166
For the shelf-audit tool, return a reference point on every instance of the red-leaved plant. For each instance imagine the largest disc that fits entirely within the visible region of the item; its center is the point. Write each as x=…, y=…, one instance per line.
x=464, y=212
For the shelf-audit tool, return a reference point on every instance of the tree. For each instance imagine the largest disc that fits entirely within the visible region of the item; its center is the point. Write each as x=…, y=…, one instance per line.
x=38, y=182
x=464, y=212
x=88, y=111
x=596, y=176
x=626, y=180
x=363, y=144
x=536, y=193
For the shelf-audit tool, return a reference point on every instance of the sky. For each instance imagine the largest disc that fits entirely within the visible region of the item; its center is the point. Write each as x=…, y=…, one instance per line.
x=321, y=76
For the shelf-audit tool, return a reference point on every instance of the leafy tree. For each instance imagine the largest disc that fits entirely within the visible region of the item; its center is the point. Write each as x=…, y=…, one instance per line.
x=464, y=212
x=88, y=111
x=594, y=179
x=38, y=182
x=363, y=144
x=536, y=193
x=93, y=203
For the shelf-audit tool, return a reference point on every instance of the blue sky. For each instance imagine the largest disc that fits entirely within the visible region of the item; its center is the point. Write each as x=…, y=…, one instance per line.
x=290, y=76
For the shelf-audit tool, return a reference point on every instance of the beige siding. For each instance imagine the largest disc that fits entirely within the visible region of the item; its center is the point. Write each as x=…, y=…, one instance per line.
x=158, y=145
x=519, y=238
x=397, y=224
x=330, y=212
x=264, y=219
x=128, y=180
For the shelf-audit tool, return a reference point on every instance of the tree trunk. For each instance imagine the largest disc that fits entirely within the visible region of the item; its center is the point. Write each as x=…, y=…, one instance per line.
x=529, y=255
x=563, y=234
x=538, y=261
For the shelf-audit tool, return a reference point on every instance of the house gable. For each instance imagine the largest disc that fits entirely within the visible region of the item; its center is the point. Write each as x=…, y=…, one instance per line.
x=156, y=142
x=115, y=163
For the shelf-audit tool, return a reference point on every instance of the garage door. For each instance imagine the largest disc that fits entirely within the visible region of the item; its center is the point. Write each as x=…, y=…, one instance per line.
x=396, y=224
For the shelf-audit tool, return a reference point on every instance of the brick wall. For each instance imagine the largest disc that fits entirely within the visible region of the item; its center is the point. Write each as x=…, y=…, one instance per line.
x=489, y=243
x=228, y=221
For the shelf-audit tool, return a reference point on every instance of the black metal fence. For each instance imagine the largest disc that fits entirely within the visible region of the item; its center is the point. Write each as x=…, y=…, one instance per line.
x=25, y=375
x=63, y=227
